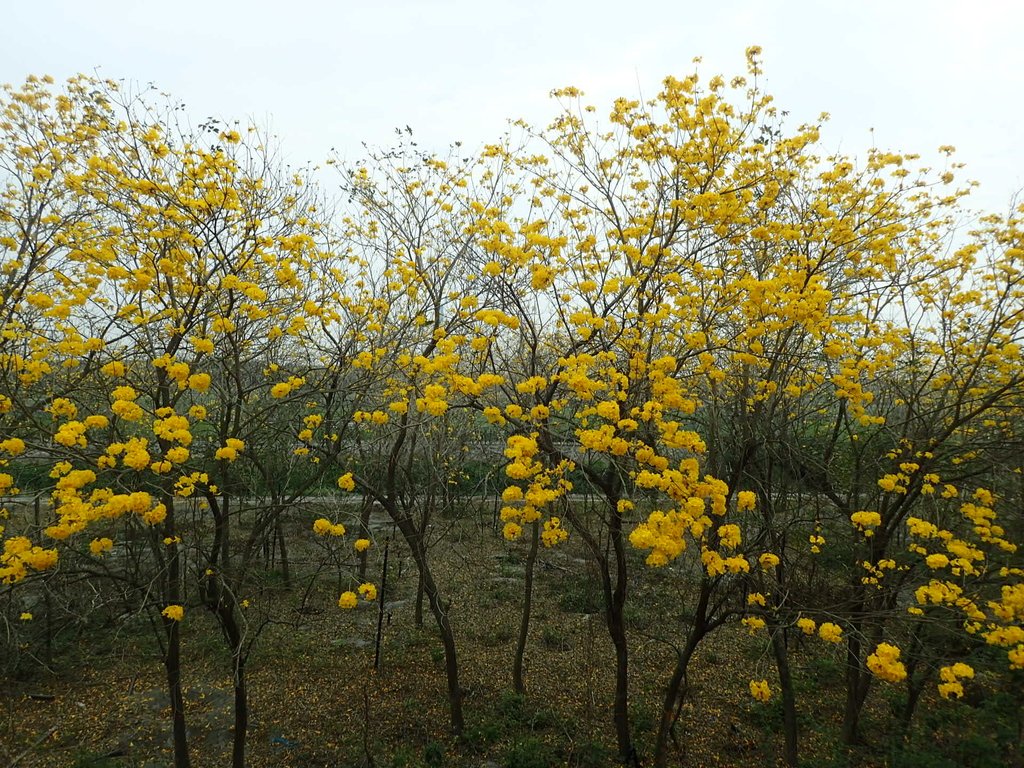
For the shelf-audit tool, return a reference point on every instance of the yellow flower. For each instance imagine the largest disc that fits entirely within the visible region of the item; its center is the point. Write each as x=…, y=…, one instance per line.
x=202, y=346
x=177, y=455
x=885, y=663
x=156, y=515
x=99, y=546
x=768, y=560
x=746, y=500
x=512, y=493
x=368, y=591
x=807, y=626
x=7, y=484
x=553, y=533
x=126, y=410
x=954, y=689
x=760, y=690
x=729, y=535
x=830, y=633
x=866, y=522
x=62, y=407
x=542, y=276
x=361, y=545
x=231, y=449
x=26, y=616
x=222, y=325
x=324, y=527
x=753, y=624
x=173, y=612
x=938, y=560
x=13, y=446
x=346, y=482
x=348, y=600
x=962, y=670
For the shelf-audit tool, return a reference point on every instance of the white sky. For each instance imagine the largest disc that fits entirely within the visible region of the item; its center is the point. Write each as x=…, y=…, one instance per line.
x=334, y=74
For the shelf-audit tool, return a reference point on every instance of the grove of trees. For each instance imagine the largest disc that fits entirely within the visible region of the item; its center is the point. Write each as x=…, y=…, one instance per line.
x=788, y=381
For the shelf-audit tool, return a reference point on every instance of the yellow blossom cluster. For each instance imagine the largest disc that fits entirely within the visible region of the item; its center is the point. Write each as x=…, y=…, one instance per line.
x=830, y=633
x=866, y=522
x=350, y=599
x=760, y=690
x=230, y=450
x=884, y=663
x=19, y=556
x=545, y=485
x=173, y=612
x=952, y=677
x=324, y=527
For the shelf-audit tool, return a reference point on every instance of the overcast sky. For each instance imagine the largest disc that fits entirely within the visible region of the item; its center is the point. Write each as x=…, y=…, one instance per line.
x=325, y=74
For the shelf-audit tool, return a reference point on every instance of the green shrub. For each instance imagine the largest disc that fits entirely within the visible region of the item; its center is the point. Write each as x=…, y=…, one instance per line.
x=531, y=753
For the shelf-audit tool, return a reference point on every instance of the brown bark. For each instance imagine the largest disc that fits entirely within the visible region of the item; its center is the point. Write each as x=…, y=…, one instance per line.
x=789, y=720
x=524, y=625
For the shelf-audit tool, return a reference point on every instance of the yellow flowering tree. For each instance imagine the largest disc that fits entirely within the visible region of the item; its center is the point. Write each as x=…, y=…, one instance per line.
x=692, y=334
x=198, y=266
x=411, y=352
x=603, y=265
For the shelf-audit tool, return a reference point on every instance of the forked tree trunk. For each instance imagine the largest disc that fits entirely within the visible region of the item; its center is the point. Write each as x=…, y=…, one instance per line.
x=677, y=684
x=417, y=546
x=228, y=619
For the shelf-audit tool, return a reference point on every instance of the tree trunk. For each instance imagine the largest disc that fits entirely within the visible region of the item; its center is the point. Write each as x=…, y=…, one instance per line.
x=914, y=691
x=172, y=664
x=233, y=635
x=668, y=706
x=856, y=692
x=861, y=634
x=381, y=598
x=524, y=625
x=615, y=598
x=617, y=630
x=172, y=630
x=676, y=688
x=283, y=548
x=241, y=716
x=416, y=544
x=364, y=533
x=418, y=616
x=789, y=721
x=451, y=664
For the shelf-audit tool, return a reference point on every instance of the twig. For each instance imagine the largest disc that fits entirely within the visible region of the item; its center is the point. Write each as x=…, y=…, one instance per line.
x=34, y=744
